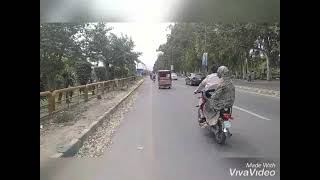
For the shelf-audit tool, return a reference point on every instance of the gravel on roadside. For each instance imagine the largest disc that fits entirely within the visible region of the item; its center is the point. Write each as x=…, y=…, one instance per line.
x=101, y=139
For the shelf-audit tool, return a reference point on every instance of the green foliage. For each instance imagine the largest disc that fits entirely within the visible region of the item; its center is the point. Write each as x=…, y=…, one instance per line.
x=101, y=73
x=57, y=41
x=65, y=48
x=237, y=45
x=83, y=71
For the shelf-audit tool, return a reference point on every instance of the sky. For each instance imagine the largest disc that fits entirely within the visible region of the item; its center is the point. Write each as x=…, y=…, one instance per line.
x=146, y=36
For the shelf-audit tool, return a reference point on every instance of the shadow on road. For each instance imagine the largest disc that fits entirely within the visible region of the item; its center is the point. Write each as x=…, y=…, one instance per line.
x=236, y=146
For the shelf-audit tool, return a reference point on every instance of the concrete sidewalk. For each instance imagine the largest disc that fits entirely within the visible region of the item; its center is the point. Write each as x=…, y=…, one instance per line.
x=261, y=84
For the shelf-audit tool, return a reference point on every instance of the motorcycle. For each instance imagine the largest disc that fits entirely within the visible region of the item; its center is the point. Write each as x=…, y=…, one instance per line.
x=221, y=129
x=153, y=77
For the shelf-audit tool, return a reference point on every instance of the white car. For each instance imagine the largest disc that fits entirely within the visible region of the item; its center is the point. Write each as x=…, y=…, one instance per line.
x=174, y=76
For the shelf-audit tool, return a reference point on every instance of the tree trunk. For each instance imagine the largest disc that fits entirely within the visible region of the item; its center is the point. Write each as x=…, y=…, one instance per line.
x=269, y=74
x=243, y=70
x=247, y=63
x=240, y=70
x=51, y=83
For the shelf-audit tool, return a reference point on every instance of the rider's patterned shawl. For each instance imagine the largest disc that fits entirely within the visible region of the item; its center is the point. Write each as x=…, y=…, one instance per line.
x=222, y=97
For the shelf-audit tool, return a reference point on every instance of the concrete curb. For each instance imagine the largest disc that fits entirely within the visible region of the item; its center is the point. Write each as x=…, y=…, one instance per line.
x=260, y=91
x=70, y=149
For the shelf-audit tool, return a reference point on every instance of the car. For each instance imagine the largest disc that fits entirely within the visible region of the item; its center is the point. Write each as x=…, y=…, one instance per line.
x=194, y=79
x=174, y=76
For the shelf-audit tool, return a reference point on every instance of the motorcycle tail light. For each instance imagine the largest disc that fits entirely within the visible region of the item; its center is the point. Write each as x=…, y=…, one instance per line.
x=227, y=116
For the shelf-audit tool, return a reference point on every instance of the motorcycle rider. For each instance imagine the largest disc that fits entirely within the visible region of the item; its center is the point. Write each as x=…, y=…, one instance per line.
x=154, y=76
x=209, y=83
x=222, y=97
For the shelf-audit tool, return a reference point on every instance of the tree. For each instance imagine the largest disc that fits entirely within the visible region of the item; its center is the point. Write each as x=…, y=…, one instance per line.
x=83, y=71
x=122, y=56
x=57, y=41
x=96, y=43
x=179, y=49
x=232, y=45
x=268, y=43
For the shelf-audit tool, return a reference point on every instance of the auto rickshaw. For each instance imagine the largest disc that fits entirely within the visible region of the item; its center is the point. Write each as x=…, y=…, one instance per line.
x=164, y=79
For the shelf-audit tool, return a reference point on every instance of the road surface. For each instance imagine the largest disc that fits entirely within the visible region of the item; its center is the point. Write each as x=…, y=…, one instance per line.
x=159, y=139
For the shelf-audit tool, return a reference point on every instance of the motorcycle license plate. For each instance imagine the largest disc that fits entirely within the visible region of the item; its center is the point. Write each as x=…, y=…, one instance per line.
x=227, y=124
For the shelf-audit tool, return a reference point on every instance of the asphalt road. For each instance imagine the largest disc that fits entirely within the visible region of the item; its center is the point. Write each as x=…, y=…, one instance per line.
x=160, y=139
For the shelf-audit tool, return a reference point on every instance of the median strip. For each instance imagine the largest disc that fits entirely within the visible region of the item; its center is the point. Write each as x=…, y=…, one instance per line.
x=259, y=91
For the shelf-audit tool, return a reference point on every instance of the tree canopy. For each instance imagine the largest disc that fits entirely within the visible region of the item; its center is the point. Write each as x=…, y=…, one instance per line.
x=243, y=47
x=68, y=51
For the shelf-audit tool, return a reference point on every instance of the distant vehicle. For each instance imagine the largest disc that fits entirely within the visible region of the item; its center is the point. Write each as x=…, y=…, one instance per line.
x=194, y=79
x=164, y=79
x=174, y=76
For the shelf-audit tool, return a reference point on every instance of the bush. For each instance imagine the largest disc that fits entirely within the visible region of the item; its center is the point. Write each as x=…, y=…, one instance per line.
x=275, y=73
x=101, y=73
x=43, y=85
x=117, y=72
x=83, y=71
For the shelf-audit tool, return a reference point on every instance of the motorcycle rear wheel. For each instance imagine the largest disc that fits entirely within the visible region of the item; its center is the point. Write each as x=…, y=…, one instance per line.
x=220, y=137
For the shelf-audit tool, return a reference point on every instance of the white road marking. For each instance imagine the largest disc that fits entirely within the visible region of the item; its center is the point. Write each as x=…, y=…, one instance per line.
x=247, y=111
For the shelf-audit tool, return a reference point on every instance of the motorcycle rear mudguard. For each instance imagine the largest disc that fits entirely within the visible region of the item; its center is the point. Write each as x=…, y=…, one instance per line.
x=227, y=133
x=215, y=129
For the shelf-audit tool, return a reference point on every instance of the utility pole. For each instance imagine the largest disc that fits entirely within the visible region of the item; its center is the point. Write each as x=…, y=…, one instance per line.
x=167, y=61
x=205, y=37
x=171, y=58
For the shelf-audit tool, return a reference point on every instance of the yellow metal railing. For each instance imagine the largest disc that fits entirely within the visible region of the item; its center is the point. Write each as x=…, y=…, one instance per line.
x=51, y=102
